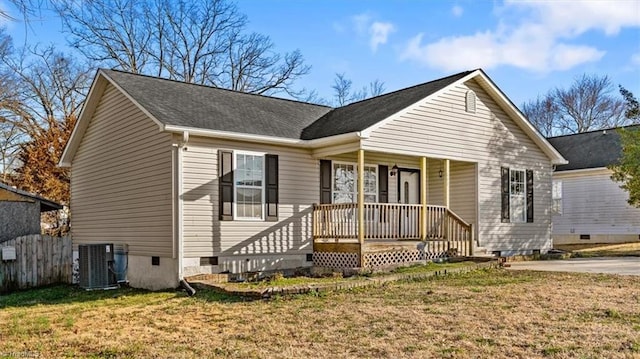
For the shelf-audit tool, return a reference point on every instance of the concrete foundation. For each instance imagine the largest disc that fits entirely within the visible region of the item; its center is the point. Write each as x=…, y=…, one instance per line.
x=594, y=238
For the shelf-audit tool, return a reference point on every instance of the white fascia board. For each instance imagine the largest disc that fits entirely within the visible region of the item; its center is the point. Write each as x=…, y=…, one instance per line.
x=325, y=141
x=553, y=154
x=95, y=93
x=367, y=132
x=582, y=172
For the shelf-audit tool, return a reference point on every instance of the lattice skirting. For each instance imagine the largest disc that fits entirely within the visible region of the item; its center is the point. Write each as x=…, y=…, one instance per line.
x=335, y=260
x=383, y=259
x=373, y=260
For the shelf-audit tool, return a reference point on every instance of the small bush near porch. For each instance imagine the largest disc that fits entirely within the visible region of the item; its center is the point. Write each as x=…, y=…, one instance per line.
x=487, y=314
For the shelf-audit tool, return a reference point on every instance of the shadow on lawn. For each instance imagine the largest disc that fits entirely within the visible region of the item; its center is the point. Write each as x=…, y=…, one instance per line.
x=68, y=294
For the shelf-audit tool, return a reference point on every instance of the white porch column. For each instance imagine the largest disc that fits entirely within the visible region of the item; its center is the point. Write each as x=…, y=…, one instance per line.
x=446, y=178
x=423, y=197
x=361, y=204
x=361, y=196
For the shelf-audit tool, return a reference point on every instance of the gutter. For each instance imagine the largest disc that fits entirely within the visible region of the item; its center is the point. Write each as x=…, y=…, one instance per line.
x=181, y=146
x=318, y=142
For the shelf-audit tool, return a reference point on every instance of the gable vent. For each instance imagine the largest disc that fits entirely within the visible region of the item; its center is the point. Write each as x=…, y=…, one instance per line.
x=471, y=102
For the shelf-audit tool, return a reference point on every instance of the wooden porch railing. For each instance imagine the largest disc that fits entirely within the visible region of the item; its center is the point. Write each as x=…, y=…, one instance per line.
x=444, y=228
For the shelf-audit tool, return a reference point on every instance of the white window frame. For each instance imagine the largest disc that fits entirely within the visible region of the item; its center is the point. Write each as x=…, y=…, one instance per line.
x=512, y=216
x=355, y=187
x=235, y=186
x=556, y=197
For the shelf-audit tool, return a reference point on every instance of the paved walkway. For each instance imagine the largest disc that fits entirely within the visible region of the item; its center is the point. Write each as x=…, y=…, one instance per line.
x=607, y=265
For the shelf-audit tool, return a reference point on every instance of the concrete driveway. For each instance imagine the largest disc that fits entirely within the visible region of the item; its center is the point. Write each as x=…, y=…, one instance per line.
x=607, y=265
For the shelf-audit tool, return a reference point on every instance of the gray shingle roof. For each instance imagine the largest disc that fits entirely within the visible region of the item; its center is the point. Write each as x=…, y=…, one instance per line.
x=361, y=115
x=589, y=149
x=181, y=104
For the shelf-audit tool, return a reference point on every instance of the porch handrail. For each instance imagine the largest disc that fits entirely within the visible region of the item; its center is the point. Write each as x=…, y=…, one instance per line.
x=444, y=228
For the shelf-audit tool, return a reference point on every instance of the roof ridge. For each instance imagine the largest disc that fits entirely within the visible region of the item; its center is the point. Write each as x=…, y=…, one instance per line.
x=215, y=88
x=410, y=87
x=593, y=131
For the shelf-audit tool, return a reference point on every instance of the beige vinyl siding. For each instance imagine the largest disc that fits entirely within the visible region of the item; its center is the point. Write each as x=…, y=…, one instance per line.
x=205, y=235
x=441, y=128
x=462, y=190
x=594, y=204
x=121, y=183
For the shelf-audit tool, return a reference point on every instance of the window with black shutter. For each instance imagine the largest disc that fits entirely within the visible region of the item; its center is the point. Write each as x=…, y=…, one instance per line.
x=248, y=186
x=516, y=195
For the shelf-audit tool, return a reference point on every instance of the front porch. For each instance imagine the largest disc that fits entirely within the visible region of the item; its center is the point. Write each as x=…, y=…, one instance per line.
x=390, y=234
x=370, y=231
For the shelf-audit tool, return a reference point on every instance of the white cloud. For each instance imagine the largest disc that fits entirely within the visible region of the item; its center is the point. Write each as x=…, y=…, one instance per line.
x=635, y=59
x=538, y=39
x=457, y=10
x=379, y=32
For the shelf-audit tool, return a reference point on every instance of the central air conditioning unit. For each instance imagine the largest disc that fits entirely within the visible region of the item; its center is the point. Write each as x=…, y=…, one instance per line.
x=96, y=266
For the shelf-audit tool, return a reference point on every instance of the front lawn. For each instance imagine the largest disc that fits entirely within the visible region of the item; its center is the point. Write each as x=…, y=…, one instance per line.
x=482, y=314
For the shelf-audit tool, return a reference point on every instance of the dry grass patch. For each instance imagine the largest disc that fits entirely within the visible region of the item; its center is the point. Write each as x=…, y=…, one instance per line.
x=602, y=250
x=492, y=313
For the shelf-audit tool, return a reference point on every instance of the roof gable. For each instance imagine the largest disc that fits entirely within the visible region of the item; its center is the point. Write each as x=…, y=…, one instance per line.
x=361, y=115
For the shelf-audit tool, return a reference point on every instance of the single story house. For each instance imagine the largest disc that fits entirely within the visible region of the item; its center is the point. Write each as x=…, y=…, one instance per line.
x=20, y=212
x=589, y=207
x=196, y=179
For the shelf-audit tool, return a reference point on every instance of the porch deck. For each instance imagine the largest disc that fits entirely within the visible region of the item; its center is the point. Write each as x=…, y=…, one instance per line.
x=391, y=234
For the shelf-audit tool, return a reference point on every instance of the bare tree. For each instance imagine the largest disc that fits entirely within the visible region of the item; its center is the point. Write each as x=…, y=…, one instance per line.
x=200, y=41
x=541, y=113
x=10, y=140
x=10, y=110
x=343, y=93
x=587, y=105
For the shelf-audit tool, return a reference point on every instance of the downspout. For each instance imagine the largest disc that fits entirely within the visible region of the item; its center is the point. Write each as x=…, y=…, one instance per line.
x=181, y=147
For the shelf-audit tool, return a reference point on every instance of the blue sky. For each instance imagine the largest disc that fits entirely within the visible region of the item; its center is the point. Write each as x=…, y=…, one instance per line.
x=526, y=47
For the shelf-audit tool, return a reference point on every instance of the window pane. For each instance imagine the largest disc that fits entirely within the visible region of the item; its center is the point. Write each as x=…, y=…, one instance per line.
x=343, y=197
x=518, y=201
x=249, y=202
x=344, y=178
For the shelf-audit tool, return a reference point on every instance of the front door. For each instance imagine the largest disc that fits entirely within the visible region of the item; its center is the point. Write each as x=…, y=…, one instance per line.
x=409, y=187
x=409, y=193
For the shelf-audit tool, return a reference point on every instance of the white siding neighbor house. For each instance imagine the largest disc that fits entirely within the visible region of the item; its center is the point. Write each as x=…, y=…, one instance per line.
x=589, y=207
x=195, y=179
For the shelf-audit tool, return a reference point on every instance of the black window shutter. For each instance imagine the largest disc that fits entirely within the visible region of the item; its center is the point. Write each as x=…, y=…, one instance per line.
x=272, y=187
x=529, y=196
x=325, y=181
x=225, y=184
x=505, y=195
x=383, y=184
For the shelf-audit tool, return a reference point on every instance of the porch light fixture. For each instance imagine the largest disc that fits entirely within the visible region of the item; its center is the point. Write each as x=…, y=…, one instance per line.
x=440, y=173
x=394, y=170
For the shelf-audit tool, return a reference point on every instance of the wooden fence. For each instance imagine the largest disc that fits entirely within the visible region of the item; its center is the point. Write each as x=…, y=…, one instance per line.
x=39, y=260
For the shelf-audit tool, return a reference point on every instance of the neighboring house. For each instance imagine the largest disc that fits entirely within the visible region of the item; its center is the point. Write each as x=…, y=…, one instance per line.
x=20, y=212
x=196, y=179
x=588, y=206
